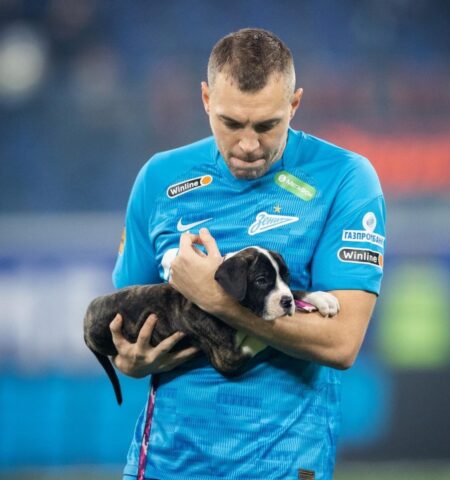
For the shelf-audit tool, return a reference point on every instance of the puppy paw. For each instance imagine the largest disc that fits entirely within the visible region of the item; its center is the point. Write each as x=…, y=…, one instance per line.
x=327, y=304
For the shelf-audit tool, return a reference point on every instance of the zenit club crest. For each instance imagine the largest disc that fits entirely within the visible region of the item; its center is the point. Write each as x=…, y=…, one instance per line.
x=186, y=186
x=264, y=221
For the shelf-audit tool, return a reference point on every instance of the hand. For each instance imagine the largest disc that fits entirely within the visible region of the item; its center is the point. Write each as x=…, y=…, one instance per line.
x=140, y=359
x=193, y=271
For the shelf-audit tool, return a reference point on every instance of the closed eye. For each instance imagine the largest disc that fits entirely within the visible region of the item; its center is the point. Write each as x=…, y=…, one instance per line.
x=230, y=123
x=233, y=125
x=261, y=127
x=266, y=126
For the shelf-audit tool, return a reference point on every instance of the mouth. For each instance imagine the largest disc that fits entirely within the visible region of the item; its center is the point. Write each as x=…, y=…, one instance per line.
x=239, y=164
x=272, y=316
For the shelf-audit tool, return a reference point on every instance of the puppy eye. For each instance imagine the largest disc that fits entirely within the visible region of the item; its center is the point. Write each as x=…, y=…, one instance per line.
x=261, y=282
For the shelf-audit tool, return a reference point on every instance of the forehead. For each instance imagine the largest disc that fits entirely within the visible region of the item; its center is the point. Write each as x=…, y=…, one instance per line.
x=269, y=102
x=262, y=258
x=272, y=261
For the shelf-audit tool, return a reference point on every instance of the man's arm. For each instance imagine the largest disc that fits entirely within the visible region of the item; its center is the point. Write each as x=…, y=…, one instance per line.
x=331, y=341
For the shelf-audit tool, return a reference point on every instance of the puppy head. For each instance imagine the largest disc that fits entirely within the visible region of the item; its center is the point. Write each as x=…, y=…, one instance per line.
x=258, y=279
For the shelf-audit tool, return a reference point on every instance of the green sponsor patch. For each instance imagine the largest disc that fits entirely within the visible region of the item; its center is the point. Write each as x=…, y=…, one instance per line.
x=294, y=185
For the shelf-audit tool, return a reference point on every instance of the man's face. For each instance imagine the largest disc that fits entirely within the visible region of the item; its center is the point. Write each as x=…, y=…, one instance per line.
x=250, y=128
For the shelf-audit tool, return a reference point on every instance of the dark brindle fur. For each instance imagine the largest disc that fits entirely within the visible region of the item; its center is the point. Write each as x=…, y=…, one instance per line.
x=175, y=313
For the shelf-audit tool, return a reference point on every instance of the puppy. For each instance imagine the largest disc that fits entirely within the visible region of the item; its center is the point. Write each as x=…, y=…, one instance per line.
x=258, y=279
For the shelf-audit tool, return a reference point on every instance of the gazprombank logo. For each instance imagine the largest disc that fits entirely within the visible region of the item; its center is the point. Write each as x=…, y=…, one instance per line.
x=361, y=255
x=187, y=185
x=369, y=223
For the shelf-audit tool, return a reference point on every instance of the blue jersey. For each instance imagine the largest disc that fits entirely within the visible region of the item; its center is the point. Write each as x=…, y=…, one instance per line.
x=322, y=208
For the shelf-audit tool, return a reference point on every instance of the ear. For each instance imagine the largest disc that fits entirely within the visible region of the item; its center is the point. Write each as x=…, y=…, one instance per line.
x=205, y=96
x=232, y=277
x=295, y=102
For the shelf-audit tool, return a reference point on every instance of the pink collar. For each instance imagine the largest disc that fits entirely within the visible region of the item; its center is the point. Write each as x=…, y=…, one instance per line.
x=304, y=306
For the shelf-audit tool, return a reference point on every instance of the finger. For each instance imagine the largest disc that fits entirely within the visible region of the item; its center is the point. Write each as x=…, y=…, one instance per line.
x=115, y=360
x=168, y=343
x=178, y=358
x=145, y=334
x=183, y=355
x=209, y=243
x=186, y=243
x=198, y=251
x=194, y=239
x=116, y=331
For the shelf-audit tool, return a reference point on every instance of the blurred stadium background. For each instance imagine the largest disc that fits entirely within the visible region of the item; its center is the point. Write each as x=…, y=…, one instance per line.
x=89, y=89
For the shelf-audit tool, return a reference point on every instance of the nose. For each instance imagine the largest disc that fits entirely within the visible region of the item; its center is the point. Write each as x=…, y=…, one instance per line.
x=249, y=142
x=286, y=302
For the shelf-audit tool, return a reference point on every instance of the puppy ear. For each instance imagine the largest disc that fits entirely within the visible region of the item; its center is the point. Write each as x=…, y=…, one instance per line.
x=232, y=277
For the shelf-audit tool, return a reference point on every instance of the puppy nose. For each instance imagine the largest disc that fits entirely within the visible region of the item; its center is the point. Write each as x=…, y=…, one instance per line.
x=286, y=302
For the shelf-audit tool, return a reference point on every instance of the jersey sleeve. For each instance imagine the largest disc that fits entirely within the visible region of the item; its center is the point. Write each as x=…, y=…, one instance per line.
x=135, y=264
x=350, y=252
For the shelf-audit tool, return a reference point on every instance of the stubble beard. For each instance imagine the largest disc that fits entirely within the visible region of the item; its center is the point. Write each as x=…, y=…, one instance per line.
x=253, y=173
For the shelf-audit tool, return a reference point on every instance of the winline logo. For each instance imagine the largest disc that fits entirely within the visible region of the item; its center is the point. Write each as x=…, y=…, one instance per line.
x=187, y=185
x=361, y=255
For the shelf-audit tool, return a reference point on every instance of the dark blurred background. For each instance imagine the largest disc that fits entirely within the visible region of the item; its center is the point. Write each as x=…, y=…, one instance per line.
x=90, y=89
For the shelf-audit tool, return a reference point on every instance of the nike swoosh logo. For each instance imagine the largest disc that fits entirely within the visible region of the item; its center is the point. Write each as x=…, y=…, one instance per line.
x=183, y=228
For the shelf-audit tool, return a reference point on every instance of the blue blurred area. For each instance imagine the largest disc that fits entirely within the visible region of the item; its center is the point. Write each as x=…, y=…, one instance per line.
x=367, y=396
x=90, y=89
x=59, y=419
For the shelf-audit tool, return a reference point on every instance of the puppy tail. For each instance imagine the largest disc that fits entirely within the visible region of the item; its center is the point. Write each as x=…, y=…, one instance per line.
x=109, y=369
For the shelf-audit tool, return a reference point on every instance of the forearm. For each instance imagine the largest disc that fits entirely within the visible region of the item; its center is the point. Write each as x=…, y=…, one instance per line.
x=331, y=341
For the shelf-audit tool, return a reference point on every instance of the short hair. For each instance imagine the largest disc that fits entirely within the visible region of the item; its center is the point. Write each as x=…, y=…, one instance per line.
x=250, y=56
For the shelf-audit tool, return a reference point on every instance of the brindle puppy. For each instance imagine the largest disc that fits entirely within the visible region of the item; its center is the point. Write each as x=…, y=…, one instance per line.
x=256, y=278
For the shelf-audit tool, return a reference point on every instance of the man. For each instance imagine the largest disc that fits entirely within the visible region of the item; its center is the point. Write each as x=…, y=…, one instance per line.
x=255, y=182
